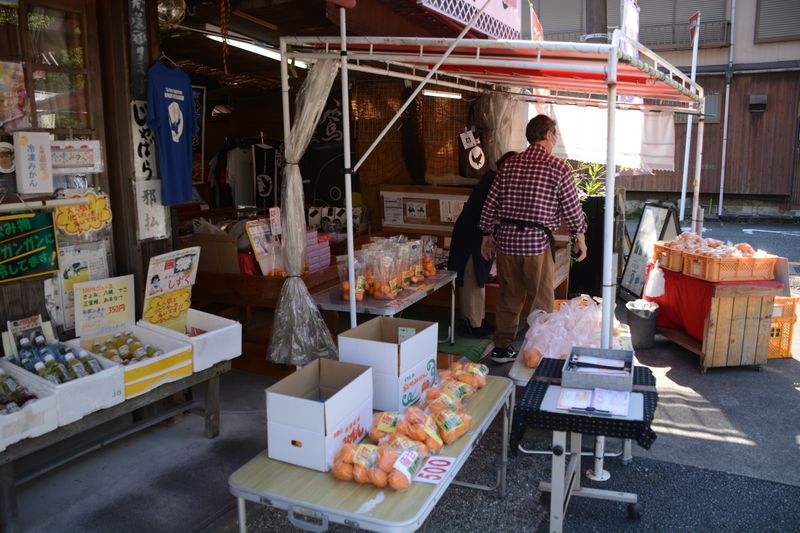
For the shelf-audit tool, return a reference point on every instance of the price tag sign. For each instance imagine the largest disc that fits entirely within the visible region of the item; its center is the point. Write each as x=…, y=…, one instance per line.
x=435, y=469
x=403, y=334
x=103, y=306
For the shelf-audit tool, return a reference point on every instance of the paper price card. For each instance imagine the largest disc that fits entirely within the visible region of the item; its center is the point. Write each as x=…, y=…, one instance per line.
x=103, y=306
x=435, y=469
x=81, y=219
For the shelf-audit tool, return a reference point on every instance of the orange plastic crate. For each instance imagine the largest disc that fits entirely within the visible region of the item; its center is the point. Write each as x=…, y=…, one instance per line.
x=668, y=258
x=728, y=268
x=782, y=330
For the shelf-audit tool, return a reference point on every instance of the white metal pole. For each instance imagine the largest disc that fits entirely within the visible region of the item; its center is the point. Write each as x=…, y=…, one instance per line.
x=285, y=91
x=348, y=172
x=433, y=71
x=697, y=222
x=686, y=150
x=728, y=79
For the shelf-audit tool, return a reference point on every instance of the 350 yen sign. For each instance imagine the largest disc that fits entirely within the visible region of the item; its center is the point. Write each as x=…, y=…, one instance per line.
x=435, y=469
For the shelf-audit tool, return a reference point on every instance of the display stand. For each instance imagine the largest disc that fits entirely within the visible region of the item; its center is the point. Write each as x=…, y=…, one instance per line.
x=24, y=448
x=536, y=409
x=321, y=496
x=331, y=299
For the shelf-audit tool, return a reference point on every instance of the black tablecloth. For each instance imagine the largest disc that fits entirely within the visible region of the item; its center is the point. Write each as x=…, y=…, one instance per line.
x=527, y=412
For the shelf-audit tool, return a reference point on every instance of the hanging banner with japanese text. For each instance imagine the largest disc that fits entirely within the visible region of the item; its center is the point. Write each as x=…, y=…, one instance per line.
x=104, y=306
x=28, y=246
x=33, y=162
x=144, y=143
x=151, y=216
x=168, y=290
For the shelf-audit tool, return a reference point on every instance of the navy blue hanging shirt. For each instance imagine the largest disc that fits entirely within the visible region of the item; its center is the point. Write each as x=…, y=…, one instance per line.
x=171, y=118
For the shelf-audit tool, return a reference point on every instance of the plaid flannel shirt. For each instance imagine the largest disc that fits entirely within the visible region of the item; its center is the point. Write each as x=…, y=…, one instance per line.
x=533, y=186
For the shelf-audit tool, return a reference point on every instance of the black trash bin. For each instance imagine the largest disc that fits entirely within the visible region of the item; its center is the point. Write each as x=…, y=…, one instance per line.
x=643, y=326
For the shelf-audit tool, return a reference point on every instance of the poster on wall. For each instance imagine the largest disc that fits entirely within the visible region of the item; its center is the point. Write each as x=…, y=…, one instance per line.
x=28, y=246
x=34, y=163
x=15, y=109
x=198, y=137
x=78, y=264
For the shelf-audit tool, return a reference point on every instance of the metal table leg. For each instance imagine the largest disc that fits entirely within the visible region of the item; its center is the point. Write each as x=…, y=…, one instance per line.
x=212, y=407
x=242, y=516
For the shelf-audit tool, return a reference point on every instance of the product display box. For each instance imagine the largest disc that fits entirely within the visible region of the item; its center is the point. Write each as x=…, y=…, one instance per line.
x=402, y=354
x=219, y=253
x=313, y=412
x=221, y=340
x=36, y=418
x=583, y=380
x=146, y=375
x=79, y=397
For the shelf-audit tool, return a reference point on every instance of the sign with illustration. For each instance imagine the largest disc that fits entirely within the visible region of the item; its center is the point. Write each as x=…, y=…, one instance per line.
x=28, y=246
x=84, y=218
x=79, y=263
x=104, y=306
x=168, y=292
x=33, y=162
x=15, y=110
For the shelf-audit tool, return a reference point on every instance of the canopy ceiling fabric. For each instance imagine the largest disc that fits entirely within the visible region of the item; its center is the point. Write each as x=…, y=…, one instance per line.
x=578, y=68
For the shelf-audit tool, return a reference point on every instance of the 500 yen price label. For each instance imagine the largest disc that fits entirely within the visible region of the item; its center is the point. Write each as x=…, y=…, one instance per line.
x=435, y=469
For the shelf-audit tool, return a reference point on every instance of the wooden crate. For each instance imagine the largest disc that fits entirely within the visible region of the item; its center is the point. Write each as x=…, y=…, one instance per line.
x=737, y=328
x=668, y=258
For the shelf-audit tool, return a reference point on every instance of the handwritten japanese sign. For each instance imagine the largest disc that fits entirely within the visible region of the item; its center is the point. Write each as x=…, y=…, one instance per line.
x=144, y=143
x=104, y=306
x=77, y=157
x=83, y=218
x=28, y=246
x=33, y=162
x=151, y=216
x=169, y=310
x=167, y=296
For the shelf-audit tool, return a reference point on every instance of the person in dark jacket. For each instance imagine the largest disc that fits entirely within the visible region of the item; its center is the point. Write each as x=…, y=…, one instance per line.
x=465, y=258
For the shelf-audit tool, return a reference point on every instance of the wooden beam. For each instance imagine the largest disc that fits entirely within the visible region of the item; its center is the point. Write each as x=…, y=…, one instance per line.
x=255, y=20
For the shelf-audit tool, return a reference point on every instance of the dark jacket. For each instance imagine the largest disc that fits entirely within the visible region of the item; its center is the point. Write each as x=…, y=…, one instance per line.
x=466, y=241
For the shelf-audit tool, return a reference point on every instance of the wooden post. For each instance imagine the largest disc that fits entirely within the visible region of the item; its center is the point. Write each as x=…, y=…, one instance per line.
x=212, y=407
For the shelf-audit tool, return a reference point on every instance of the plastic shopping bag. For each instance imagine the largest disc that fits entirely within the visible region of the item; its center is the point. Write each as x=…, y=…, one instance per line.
x=655, y=283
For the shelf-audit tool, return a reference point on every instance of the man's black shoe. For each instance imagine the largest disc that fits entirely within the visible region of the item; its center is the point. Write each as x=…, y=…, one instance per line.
x=504, y=355
x=481, y=332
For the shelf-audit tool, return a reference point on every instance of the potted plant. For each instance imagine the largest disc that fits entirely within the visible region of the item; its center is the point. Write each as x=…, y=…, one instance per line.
x=586, y=277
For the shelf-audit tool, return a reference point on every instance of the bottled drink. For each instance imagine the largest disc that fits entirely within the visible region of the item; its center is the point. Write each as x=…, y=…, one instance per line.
x=75, y=366
x=42, y=371
x=91, y=364
x=96, y=347
x=25, y=344
x=125, y=351
x=57, y=369
x=8, y=404
x=13, y=390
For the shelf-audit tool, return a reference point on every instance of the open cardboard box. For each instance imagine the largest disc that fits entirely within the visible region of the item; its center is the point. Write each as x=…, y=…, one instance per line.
x=312, y=413
x=401, y=369
x=221, y=341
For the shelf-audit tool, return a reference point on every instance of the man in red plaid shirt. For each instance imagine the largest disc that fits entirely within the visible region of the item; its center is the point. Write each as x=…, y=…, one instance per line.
x=530, y=194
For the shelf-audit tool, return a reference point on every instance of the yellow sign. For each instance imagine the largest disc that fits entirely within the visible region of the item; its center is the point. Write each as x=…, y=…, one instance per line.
x=169, y=309
x=79, y=219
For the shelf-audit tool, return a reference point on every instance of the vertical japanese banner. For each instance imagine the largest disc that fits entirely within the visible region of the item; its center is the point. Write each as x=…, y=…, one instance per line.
x=151, y=217
x=168, y=290
x=198, y=137
x=33, y=161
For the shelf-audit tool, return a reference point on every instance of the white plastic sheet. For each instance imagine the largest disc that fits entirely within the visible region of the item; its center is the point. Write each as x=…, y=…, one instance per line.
x=299, y=335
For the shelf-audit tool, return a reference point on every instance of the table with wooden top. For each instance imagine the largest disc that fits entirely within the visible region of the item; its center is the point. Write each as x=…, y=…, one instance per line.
x=322, y=497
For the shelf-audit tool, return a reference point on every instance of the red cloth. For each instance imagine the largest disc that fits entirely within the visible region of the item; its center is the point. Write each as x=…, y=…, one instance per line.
x=248, y=264
x=687, y=301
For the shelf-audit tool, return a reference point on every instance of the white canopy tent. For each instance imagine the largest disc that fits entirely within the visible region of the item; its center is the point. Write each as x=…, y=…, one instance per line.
x=586, y=74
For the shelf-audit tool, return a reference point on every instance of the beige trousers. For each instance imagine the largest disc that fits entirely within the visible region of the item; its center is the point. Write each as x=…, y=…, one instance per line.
x=521, y=276
x=472, y=298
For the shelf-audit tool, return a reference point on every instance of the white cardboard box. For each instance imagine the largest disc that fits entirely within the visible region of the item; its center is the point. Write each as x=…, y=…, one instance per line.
x=36, y=418
x=79, y=397
x=313, y=412
x=221, y=341
x=401, y=371
x=146, y=375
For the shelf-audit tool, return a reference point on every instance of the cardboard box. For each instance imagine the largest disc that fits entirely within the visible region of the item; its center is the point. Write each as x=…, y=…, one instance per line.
x=221, y=341
x=36, y=418
x=312, y=413
x=146, y=375
x=401, y=370
x=218, y=252
x=579, y=380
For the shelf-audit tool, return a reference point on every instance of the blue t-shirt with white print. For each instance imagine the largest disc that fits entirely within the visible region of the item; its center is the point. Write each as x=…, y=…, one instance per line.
x=171, y=118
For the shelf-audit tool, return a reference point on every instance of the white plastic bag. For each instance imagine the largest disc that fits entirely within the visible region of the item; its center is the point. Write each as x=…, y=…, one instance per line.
x=655, y=283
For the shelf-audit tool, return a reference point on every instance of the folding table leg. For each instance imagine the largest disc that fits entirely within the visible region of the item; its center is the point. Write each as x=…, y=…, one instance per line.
x=558, y=487
x=453, y=312
x=242, y=516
